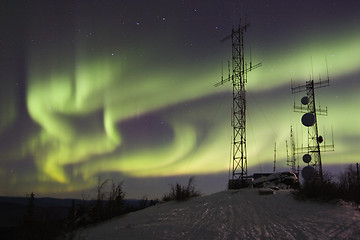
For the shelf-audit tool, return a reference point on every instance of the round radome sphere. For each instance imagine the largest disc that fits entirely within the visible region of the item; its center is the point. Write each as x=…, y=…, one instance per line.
x=307, y=158
x=308, y=119
x=305, y=100
x=308, y=173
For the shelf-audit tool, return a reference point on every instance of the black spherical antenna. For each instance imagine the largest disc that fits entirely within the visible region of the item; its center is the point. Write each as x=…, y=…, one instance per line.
x=307, y=158
x=305, y=100
x=308, y=173
x=308, y=119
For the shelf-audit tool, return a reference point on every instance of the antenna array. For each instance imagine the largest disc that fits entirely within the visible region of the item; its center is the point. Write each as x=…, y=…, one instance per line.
x=316, y=144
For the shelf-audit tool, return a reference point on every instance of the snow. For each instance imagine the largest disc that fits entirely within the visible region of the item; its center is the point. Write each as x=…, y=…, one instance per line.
x=235, y=214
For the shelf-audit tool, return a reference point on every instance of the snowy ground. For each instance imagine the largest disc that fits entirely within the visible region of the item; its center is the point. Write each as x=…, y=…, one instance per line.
x=242, y=214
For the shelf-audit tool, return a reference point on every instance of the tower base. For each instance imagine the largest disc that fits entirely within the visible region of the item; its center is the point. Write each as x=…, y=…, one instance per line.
x=240, y=183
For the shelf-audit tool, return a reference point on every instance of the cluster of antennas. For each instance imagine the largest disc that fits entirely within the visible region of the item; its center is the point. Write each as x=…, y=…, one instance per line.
x=308, y=120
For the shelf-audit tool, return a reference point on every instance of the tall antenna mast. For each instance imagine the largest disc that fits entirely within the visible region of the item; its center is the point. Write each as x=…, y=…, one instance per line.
x=274, y=168
x=287, y=153
x=312, y=153
x=238, y=78
x=291, y=161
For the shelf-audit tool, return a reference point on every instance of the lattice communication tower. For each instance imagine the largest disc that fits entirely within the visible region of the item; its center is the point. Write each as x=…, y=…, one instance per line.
x=291, y=160
x=238, y=78
x=316, y=144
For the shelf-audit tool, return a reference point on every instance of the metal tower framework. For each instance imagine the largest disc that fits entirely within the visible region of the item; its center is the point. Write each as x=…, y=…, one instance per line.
x=293, y=154
x=314, y=147
x=238, y=79
x=291, y=160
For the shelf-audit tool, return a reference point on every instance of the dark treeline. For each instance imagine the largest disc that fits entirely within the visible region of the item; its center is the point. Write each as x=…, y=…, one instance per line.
x=48, y=222
x=53, y=222
x=347, y=187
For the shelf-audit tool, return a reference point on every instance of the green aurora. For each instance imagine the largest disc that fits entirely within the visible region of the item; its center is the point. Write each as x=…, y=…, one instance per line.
x=96, y=113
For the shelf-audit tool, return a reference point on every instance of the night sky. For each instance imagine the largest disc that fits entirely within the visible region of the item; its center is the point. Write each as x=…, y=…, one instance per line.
x=125, y=90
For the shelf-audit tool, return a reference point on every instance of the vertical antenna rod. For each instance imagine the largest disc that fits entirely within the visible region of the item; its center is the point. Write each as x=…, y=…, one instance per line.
x=274, y=168
x=292, y=160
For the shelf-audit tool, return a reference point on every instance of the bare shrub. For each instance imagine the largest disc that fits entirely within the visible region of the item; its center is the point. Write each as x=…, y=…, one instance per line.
x=181, y=193
x=349, y=183
x=347, y=188
x=325, y=189
x=116, y=200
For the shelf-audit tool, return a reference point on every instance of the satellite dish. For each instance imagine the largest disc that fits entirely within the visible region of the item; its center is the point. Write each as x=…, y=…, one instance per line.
x=320, y=139
x=305, y=100
x=308, y=173
x=307, y=158
x=308, y=119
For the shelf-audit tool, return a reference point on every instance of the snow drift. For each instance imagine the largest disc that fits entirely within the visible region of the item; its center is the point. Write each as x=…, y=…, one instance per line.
x=236, y=214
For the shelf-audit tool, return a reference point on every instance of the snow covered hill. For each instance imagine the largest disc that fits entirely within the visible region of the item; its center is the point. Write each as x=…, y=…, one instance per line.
x=242, y=214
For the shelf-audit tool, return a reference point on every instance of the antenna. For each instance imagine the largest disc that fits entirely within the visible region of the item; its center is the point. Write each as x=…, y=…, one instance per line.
x=287, y=152
x=222, y=71
x=332, y=135
x=238, y=79
x=327, y=68
x=312, y=153
x=312, y=69
x=291, y=161
x=250, y=58
x=274, y=168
